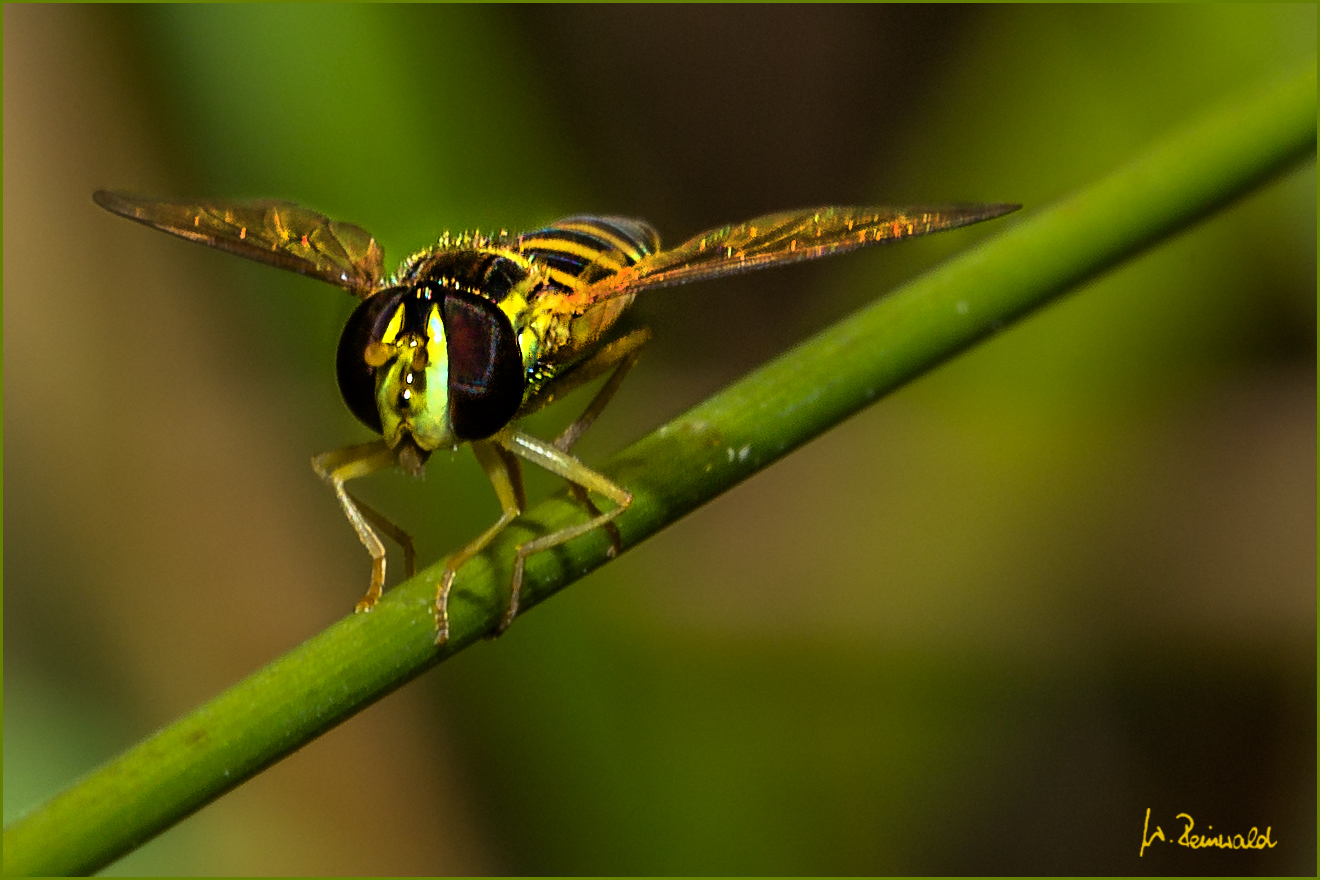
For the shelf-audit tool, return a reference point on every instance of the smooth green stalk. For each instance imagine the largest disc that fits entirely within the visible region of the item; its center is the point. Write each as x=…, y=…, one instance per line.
x=682, y=465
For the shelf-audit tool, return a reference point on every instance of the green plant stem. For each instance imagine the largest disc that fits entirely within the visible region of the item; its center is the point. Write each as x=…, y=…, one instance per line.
x=682, y=465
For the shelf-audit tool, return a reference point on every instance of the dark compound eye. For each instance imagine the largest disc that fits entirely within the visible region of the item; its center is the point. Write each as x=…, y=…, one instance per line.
x=357, y=378
x=485, y=366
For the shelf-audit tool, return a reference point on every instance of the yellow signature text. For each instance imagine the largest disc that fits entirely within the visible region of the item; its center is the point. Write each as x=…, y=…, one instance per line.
x=1253, y=839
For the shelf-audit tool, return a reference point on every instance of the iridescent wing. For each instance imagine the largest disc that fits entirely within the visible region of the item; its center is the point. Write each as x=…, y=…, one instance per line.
x=277, y=233
x=785, y=238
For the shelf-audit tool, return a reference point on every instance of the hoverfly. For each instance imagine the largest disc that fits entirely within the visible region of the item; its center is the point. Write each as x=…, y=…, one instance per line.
x=476, y=332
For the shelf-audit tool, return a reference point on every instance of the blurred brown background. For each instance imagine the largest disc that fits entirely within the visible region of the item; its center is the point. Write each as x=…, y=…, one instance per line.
x=980, y=628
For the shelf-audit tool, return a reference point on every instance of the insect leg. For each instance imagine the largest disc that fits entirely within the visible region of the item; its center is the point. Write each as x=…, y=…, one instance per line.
x=560, y=463
x=402, y=538
x=505, y=474
x=625, y=351
x=359, y=461
x=620, y=355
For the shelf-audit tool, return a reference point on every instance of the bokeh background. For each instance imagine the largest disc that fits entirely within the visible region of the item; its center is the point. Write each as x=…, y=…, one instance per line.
x=979, y=628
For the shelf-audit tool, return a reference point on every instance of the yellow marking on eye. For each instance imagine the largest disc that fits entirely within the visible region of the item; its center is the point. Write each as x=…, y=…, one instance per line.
x=395, y=325
x=435, y=354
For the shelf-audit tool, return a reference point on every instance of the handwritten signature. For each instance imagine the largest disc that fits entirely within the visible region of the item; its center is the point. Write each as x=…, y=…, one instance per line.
x=1253, y=839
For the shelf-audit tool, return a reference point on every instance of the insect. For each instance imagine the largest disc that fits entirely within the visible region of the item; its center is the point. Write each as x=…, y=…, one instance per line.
x=476, y=332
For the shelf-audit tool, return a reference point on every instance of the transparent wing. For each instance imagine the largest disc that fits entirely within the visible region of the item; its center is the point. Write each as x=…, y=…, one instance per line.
x=277, y=233
x=786, y=238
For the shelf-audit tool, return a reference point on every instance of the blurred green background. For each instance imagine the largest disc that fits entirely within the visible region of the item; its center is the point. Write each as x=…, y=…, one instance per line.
x=979, y=628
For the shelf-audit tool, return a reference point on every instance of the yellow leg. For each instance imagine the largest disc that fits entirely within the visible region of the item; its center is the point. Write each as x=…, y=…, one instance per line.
x=625, y=351
x=505, y=476
x=572, y=469
x=350, y=463
x=497, y=458
x=400, y=537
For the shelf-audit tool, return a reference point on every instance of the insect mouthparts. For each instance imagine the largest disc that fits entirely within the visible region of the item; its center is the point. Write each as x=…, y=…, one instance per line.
x=411, y=457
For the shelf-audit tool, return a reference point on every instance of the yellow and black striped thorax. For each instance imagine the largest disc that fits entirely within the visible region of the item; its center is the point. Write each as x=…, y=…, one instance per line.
x=467, y=330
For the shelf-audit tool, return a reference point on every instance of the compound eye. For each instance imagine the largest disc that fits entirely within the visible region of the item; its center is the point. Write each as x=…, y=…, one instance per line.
x=357, y=377
x=485, y=366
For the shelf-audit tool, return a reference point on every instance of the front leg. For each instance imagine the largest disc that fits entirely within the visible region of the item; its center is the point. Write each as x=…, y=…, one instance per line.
x=350, y=463
x=505, y=475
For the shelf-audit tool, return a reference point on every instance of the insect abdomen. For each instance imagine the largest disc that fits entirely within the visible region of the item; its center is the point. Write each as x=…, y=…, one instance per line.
x=577, y=251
